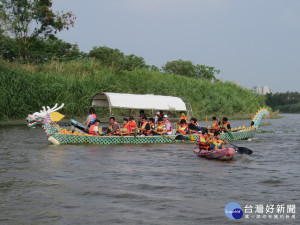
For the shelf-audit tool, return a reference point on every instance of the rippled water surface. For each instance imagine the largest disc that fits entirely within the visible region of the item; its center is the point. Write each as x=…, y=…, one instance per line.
x=144, y=184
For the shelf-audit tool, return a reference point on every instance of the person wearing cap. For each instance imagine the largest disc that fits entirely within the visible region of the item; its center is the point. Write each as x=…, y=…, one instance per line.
x=167, y=124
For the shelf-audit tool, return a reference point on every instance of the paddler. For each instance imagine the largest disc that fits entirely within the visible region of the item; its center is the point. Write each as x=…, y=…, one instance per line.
x=215, y=125
x=183, y=128
x=94, y=129
x=160, y=129
x=132, y=125
x=125, y=131
x=168, y=125
x=113, y=128
x=220, y=144
x=145, y=128
x=224, y=124
x=204, y=141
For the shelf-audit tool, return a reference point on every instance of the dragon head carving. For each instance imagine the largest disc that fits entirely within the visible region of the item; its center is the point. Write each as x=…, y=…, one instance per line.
x=42, y=117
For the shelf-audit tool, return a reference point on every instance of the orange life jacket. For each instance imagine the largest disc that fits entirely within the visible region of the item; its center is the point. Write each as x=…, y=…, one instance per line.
x=202, y=142
x=125, y=129
x=132, y=125
x=147, y=132
x=214, y=127
x=160, y=128
x=91, y=130
x=182, y=130
x=223, y=126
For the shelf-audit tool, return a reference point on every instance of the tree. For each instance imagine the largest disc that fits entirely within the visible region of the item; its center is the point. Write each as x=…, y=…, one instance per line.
x=187, y=68
x=28, y=20
x=53, y=48
x=108, y=57
x=117, y=60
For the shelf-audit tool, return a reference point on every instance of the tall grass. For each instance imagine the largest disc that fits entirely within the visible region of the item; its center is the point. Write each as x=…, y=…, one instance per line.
x=26, y=88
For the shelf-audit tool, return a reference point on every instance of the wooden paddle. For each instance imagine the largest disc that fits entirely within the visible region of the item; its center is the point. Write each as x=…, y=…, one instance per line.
x=164, y=136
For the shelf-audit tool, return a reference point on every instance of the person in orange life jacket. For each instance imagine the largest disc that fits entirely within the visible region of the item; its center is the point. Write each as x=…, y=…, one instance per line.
x=168, y=125
x=215, y=125
x=113, y=128
x=145, y=128
x=160, y=128
x=204, y=141
x=90, y=119
x=194, y=126
x=132, y=124
x=224, y=124
x=220, y=144
x=125, y=131
x=183, y=128
x=94, y=129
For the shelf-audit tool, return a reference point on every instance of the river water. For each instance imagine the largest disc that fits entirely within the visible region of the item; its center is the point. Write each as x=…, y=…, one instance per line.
x=148, y=184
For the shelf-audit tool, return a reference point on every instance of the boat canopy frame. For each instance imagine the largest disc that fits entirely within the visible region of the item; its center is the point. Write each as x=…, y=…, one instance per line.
x=141, y=101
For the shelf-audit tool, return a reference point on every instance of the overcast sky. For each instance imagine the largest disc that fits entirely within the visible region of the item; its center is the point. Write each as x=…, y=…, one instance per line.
x=252, y=42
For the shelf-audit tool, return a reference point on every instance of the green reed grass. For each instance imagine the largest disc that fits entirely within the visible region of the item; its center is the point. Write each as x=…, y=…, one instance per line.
x=26, y=88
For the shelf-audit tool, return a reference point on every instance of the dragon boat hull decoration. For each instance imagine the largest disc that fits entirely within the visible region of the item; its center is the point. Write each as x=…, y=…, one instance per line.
x=59, y=133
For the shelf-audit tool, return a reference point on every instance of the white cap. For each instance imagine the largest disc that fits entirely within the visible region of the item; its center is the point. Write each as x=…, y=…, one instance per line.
x=157, y=112
x=166, y=116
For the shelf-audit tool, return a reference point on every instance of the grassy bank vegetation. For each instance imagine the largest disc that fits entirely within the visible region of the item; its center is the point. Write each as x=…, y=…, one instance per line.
x=25, y=88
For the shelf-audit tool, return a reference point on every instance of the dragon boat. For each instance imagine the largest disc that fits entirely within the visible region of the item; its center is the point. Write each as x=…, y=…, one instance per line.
x=60, y=133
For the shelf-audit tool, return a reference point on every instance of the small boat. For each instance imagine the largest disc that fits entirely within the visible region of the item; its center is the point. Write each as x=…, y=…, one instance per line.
x=222, y=154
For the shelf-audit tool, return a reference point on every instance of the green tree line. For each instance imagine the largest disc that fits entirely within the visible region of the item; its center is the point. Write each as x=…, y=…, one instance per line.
x=19, y=42
x=288, y=102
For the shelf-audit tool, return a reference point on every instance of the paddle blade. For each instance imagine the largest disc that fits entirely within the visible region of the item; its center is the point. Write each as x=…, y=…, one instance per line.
x=244, y=150
x=56, y=116
x=192, y=138
x=181, y=137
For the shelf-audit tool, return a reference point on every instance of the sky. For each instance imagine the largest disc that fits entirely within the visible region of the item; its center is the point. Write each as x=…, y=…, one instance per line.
x=252, y=42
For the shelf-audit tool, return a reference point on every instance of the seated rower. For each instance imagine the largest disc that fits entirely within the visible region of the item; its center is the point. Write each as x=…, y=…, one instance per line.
x=214, y=126
x=113, y=128
x=132, y=125
x=94, y=129
x=90, y=119
x=204, y=141
x=194, y=126
x=125, y=131
x=183, y=128
x=145, y=128
x=224, y=124
x=160, y=129
x=168, y=125
x=220, y=144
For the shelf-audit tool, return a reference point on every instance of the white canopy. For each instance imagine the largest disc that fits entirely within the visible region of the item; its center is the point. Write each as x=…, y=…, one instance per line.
x=133, y=101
